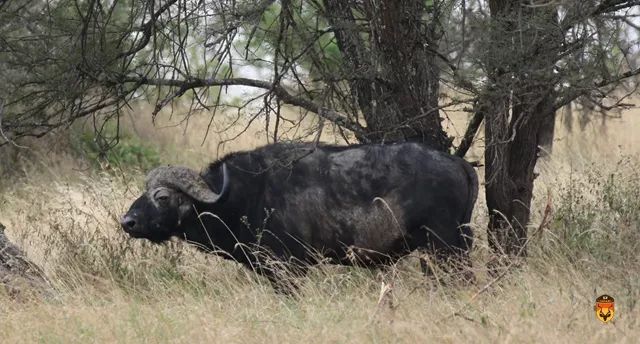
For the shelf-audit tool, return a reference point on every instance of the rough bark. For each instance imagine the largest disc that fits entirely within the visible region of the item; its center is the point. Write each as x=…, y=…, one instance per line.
x=510, y=171
x=519, y=108
x=395, y=77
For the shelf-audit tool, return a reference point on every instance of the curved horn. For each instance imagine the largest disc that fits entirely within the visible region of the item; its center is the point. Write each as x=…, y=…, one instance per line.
x=187, y=181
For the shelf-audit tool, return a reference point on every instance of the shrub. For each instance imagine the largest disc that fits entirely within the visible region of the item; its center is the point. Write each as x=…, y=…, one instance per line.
x=597, y=215
x=108, y=149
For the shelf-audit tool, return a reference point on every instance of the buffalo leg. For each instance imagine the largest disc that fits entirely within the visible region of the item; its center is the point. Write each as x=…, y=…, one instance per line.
x=453, y=264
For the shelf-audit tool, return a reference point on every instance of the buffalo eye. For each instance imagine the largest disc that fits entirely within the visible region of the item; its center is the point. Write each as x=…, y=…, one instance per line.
x=162, y=196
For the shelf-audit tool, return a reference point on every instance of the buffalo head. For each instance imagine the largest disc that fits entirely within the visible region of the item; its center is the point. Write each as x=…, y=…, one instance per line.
x=171, y=192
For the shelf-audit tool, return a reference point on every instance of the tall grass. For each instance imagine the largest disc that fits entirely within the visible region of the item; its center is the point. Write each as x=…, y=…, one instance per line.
x=64, y=212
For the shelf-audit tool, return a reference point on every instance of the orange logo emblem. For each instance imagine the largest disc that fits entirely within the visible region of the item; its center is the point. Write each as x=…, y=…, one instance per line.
x=604, y=308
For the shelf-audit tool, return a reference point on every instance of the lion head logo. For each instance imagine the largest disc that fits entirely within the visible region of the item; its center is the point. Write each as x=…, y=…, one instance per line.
x=604, y=308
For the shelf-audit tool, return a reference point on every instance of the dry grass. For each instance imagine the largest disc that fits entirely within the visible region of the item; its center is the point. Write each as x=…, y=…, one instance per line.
x=111, y=289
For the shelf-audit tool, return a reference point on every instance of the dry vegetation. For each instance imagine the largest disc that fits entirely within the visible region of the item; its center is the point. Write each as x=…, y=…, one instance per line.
x=63, y=211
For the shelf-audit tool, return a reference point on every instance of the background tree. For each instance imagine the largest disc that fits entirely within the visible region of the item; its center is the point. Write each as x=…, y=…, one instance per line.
x=379, y=70
x=538, y=58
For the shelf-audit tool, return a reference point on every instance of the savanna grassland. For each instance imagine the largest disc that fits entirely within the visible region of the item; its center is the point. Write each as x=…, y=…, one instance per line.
x=61, y=199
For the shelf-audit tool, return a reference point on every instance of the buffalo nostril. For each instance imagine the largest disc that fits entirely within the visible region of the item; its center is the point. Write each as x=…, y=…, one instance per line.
x=128, y=222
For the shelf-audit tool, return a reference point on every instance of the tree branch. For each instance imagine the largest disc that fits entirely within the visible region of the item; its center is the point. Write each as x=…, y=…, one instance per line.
x=571, y=96
x=6, y=139
x=147, y=30
x=609, y=6
x=277, y=89
x=470, y=133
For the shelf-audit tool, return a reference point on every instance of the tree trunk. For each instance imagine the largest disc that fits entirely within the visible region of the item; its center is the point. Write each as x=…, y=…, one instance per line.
x=519, y=110
x=546, y=137
x=394, y=75
x=510, y=174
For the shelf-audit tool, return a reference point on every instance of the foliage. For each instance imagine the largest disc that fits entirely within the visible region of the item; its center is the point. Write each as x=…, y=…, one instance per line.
x=68, y=59
x=57, y=65
x=129, y=152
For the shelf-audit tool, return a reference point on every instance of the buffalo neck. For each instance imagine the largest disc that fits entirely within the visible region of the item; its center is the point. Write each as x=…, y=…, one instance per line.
x=223, y=227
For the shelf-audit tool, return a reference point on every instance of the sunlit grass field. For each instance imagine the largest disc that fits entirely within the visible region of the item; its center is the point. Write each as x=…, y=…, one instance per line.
x=61, y=202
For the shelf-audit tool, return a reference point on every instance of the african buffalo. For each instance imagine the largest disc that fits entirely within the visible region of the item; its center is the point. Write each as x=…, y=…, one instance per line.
x=297, y=202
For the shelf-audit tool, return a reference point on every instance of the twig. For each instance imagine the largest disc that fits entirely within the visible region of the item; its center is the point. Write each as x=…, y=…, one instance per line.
x=470, y=133
x=2, y=131
x=546, y=219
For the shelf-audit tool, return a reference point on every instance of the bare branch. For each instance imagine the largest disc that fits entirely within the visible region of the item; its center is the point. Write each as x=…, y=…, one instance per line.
x=282, y=94
x=147, y=30
x=609, y=6
x=6, y=139
x=576, y=92
x=470, y=133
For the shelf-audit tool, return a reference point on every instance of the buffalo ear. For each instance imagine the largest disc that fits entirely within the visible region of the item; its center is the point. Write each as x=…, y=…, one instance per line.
x=188, y=181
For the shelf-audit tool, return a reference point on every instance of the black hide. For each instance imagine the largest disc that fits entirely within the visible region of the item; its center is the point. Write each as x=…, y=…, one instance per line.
x=365, y=204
